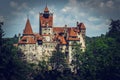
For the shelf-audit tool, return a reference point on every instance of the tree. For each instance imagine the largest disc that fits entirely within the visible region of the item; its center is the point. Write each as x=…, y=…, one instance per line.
x=1, y=35
x=43, y=65
x=114, y=29
x=101, y=60
x=58, y=60
x=77, y=56
x=11, y=66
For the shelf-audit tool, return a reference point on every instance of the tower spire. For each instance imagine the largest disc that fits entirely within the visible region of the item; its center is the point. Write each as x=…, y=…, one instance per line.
x=46, y=9
x=46, y=4
x=28, y=28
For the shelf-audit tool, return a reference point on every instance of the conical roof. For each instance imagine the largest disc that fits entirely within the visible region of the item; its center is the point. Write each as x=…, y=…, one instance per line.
x=28, y=28
x=82, y=26
x=46, y=9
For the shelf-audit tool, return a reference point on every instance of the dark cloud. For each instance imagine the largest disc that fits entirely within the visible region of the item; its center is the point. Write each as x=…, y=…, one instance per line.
x=92, y=12
x=106, y=8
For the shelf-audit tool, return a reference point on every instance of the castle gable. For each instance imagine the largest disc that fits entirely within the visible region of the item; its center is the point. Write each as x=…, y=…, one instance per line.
x=27, y=40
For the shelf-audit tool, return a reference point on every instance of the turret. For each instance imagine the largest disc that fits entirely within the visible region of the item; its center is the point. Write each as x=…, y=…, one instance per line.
x=46, y=22
x=65, y=31
x=28, y=29
x=46, y=12
x=81, y=27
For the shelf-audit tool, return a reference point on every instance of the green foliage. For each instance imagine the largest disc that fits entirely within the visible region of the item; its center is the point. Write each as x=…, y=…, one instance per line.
x=77, y=56
x=58, y=60
x=43, y=65
x=1, y=33
x=100, y=61
x=114, y=29
x=11, y=66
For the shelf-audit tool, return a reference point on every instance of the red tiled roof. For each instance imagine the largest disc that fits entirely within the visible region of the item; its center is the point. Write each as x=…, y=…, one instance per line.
x=45, y=21
x=62, y=40
x=27, y=40
x=58, y=29
x=76, y=29
x=72, y=32
x=73, y=39
x=61, y=29
x=82, y=26
x=38, y=36
x=28, y=28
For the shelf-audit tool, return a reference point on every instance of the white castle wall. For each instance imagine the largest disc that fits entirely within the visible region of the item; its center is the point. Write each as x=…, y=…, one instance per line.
x=35, y=53
x=82, y=42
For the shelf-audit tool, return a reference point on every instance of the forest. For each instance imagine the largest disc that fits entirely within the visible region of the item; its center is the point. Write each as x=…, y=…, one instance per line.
x=100, y=61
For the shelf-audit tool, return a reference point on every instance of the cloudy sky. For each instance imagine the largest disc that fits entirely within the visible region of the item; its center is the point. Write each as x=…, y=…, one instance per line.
x=95, y=14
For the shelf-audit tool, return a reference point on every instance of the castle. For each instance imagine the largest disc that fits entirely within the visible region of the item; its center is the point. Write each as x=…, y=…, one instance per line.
x=38, y=46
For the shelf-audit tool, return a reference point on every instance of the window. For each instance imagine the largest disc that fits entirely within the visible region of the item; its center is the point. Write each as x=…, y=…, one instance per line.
x=73, y=36
x=66, y=54
x=24, y=40
x=73, y=48
x=39, y=42
x=61, y=48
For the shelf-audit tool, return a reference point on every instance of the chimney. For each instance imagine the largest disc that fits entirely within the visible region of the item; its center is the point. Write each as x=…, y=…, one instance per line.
x=77, y=23
x=19, y=35
x=65, y=31
x=65, y=28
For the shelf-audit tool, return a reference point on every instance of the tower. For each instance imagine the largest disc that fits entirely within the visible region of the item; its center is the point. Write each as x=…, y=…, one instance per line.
x=46, y=31
x=46, y=22
x=28, y=29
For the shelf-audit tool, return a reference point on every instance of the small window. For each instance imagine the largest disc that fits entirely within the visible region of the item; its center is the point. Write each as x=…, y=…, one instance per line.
x=61, y=49
x=72, y=48
x=39, y=42
x=73, y=36
x=24, y=40
x=66, y=54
